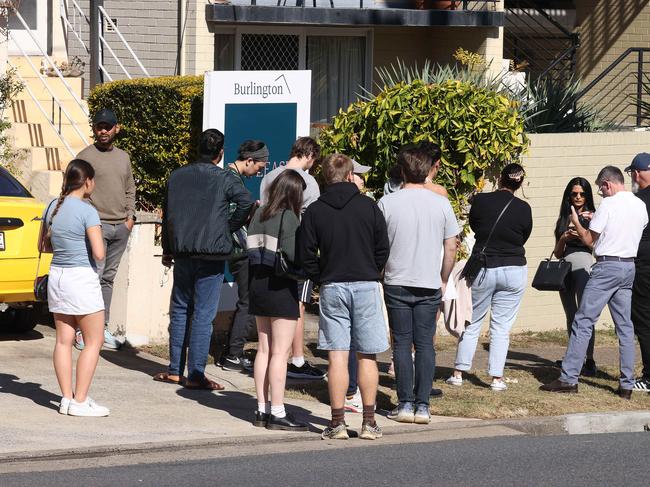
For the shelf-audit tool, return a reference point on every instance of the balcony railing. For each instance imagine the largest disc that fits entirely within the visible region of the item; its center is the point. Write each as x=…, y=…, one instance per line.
x=471, y=5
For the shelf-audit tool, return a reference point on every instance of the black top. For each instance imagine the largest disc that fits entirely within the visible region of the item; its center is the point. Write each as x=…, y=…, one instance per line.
x=643, y=255
x=506, y=246
x=197, y=218
x=575, y=245
x=343, y=237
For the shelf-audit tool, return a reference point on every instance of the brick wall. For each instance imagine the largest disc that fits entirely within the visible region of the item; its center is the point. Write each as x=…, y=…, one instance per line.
x=150, y=28
x=551, y=162
x=607, y=29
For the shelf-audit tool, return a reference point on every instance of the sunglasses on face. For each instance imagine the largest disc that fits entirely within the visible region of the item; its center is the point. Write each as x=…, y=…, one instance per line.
x=577, y=193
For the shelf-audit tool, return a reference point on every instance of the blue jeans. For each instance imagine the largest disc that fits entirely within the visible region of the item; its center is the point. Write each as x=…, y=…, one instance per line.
x=610, y=284
x=194, y=303
x=412, y=319
x=500, y=288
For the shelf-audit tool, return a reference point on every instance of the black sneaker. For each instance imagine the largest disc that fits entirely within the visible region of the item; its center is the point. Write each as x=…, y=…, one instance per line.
x=261, y=419
x=641, y=385
x=288, y=423
x=307, y=371
x=236, y=364
x=589, y=368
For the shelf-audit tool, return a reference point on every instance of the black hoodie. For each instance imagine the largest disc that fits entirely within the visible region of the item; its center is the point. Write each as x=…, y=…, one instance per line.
x=343, y=237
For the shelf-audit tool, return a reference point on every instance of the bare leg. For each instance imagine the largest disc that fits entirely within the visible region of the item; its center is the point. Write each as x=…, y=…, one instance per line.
x=62, y=357
x=338, y=377
x=92, y=329
x=282, y=331
x=298, y=343
x=368, y=378
x=261, y=365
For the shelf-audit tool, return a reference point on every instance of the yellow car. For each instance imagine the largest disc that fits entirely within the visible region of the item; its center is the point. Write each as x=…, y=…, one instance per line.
x=20, y=222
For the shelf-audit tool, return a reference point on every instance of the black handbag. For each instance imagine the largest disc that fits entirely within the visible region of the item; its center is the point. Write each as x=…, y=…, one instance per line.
x=282, y=266
x=44, y=247
x=551, y=275
x=478, y=260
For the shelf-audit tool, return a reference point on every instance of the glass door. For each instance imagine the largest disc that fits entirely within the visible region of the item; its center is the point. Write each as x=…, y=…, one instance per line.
x=34, y=12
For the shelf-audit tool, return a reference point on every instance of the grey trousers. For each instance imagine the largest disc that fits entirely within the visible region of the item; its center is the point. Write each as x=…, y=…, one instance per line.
x=116, y=236
x=610, y=284
x=581, y=263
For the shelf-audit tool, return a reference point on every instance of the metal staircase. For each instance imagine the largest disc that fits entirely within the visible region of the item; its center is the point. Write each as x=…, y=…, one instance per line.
x=538, y=41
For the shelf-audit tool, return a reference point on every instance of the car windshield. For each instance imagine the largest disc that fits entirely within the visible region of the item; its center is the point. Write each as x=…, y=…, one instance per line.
x=10, y=187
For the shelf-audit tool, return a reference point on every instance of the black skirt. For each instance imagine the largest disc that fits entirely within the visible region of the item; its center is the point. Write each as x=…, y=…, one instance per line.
x=271, y=295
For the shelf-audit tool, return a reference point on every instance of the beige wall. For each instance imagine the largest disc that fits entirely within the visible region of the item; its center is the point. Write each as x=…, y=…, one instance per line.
x=552, y=160
x=607, y=28
x=198, y=51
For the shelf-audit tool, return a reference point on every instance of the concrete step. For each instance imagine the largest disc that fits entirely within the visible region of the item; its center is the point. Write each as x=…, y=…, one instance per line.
x=53, y=158
x=26, y=111
x=28, y=135
x=22, y=65
x=57, y=85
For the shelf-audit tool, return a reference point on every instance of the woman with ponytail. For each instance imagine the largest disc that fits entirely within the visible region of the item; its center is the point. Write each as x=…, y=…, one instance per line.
x=74, y=292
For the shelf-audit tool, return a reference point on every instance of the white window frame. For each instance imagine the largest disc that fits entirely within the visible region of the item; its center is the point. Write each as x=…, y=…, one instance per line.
x=303, y=32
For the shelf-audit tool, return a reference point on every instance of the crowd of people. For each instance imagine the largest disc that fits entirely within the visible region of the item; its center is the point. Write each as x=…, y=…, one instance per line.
x=383, y=268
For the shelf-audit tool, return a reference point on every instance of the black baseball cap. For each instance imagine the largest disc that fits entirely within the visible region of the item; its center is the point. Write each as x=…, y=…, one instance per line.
x=641, y=162
x=105, y=115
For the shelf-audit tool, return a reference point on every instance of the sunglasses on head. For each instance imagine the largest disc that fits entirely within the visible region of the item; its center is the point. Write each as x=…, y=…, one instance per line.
x=577, y=193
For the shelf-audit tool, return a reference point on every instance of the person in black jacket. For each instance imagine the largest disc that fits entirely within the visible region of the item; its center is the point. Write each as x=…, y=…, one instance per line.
x=344, y=247
x=197, y=229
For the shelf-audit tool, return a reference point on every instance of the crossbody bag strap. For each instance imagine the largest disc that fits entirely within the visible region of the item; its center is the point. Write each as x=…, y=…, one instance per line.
x=279, y=247
x=495, y=223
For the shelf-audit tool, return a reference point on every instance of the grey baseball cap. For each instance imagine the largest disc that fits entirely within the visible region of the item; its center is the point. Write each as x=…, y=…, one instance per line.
x=359, y=168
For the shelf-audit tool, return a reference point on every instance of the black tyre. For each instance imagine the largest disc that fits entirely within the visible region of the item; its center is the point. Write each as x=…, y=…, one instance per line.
x=20, y=320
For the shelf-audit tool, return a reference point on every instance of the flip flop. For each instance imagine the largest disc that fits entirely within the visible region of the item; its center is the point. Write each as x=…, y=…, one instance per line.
x=204, y=384
x=164, y=377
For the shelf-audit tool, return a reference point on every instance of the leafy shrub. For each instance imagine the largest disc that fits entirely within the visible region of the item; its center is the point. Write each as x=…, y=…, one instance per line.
x=160, y=119
x=10, y=86
x=478, y=130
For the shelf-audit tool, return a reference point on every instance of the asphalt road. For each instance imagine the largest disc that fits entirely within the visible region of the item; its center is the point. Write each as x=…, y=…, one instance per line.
x=585, y=460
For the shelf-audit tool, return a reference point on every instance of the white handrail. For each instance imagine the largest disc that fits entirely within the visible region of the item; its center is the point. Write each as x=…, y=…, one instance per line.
x=105, y=71
x=40, y=107
x=47, y=87
x=49, y=60
x=126, y=44
x=101, y=38
x=71, y=27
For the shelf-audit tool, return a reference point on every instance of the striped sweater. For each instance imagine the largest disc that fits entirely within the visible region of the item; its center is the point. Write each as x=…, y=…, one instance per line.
x=262, y=238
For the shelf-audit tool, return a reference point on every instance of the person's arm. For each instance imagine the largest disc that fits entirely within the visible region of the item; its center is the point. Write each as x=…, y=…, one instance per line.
x=308, y=249
x=588, y=236
x=382, y=244
x=450, y=246
x=96, y=242
x=130, y=197
x=167, y=258
x=290, y=224
x=238, y=194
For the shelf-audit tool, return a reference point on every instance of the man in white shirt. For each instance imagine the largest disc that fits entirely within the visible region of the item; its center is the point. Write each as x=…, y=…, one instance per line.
x=615, y=232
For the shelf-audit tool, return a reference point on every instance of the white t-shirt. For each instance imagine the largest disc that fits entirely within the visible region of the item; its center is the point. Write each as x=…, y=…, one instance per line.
x=418, y=222
x=620, y=220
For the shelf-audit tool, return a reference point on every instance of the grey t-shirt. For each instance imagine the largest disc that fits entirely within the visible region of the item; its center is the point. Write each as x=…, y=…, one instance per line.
x=311, y=194
x=69, y=241
x=418, y=222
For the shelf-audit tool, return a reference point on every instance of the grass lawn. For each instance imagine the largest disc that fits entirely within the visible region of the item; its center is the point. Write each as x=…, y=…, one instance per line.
x=527, y=368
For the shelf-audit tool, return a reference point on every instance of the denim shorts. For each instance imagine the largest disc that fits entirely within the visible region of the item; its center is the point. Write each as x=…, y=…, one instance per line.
x=352, y=316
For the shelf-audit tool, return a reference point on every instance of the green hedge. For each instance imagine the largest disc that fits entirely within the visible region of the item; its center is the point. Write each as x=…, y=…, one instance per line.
x=161, y=119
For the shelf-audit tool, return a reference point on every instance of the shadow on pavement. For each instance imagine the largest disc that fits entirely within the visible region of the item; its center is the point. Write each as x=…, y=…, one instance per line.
x=9, y=384
x=129, y=358
x=242, y=406
x=7, y=336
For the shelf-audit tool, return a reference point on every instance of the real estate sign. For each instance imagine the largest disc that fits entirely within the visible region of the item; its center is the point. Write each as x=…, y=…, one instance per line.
x=272, y=106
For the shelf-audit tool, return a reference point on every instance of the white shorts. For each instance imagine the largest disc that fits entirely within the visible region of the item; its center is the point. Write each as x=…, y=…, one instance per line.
x=74, y=291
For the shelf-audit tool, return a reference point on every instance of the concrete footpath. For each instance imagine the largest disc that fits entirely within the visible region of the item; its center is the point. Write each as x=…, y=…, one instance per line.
x=149, y=416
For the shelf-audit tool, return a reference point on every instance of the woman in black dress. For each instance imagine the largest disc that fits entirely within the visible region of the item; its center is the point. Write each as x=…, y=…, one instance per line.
x=274, y=299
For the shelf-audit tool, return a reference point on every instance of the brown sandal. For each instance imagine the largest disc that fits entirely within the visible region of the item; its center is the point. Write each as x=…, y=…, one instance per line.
x=204, y=384
x=164, y=377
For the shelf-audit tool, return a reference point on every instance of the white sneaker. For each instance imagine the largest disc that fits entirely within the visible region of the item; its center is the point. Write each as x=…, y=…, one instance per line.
x=498, y=385
x=353, y=404
x=64, y=405
x=455, y=381
x=88, y=408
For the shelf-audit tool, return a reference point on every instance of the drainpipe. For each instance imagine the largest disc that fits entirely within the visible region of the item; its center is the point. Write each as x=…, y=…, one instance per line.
x=182, y=22
x=95, y=47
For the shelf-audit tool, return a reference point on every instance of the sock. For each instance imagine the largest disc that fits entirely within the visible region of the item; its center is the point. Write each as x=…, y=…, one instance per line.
x=298, y=361
x=338, y=417
x=264, y=407
x=278, y=411
x=369, y=414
